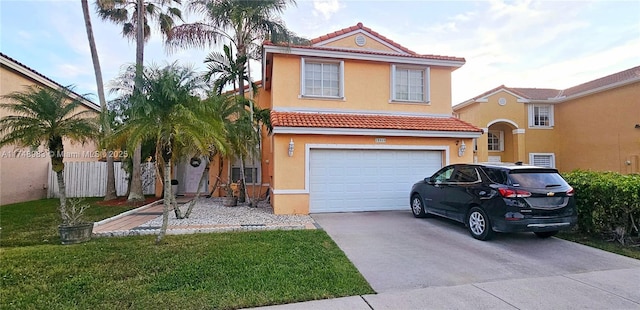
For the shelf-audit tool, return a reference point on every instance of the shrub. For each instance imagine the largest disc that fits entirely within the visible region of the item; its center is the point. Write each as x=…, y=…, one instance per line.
x=607, y=202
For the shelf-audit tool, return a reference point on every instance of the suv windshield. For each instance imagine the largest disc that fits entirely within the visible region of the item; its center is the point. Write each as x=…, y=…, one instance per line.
x=537, y=179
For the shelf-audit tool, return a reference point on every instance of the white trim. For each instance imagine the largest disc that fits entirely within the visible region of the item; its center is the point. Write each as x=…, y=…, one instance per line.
x=552, y=155
x=517, y=131
x=500, y=135
x=531, y=116
x=426, y=84
x=375, y=132
x=43, y=80
x=289, y=191
x=502, y=120
x=355, y=32
x=409, y=59
x=361, y=112
x=340, y=63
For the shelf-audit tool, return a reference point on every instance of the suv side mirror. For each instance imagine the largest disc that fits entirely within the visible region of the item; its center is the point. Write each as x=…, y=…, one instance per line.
x=428, y=180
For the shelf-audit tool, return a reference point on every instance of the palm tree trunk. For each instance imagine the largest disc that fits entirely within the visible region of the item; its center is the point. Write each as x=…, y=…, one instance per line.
x=244, y=196
x=62, y=192
x=104, y=120
x=215, y=185
x=135, y=192
x=166, y=202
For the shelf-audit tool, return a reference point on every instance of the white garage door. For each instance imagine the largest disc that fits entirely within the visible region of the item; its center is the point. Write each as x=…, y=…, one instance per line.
x=366, y=180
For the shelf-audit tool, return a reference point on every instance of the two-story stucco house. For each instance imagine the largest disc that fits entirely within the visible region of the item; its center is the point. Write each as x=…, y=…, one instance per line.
x=24, y=172
x=357, y=119
x=594, y=125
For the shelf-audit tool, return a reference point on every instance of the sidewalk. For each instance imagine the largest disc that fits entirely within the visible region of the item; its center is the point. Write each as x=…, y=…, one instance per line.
x=136, y=222
x=610, y=289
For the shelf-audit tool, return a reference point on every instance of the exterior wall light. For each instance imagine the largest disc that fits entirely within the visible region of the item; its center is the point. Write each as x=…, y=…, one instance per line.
x=291, y=146
x=461, y=149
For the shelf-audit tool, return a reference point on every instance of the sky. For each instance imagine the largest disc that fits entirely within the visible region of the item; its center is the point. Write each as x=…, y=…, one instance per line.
x=528, y=43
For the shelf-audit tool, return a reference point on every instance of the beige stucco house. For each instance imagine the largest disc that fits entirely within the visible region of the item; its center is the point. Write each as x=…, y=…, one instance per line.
x=24, y=172
x=357, y=119
x=594, y=125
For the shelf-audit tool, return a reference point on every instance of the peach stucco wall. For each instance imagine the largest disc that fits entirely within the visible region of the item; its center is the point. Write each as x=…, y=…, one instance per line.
x=350, y=42
x=592, y=132
x=24, y=176
x=598, y=131
x=367, y=87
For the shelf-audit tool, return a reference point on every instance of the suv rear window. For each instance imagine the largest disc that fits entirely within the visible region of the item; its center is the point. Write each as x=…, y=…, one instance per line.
x=536, y=179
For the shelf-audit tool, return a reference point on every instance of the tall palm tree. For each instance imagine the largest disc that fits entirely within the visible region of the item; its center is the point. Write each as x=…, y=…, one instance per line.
x=46, y=116
x=171, y=113
x=245, y=23
x=225, y=70
x=104, y=117
x=134, y=16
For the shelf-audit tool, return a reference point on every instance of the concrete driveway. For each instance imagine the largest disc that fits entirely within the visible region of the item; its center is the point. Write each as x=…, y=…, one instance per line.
x=416, y=263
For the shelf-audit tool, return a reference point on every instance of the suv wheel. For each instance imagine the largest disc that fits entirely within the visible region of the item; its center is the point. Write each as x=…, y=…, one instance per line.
x=478, y=224
x=546, y=234
x=417, y=207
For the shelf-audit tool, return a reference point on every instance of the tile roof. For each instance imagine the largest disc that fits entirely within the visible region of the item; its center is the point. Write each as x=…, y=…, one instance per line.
x=369, y=121
x=370, y=52
x=550, y=93
x=633, y=73
x=367, y=29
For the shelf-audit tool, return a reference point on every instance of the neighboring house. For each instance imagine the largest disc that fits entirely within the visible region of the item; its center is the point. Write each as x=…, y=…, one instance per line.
x=357, y=119
x=595, y=125
x=24, y=172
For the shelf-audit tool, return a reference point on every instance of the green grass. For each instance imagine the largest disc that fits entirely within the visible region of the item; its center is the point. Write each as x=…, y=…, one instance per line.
x=36, y=222
x=632, y=251
x=204, y=271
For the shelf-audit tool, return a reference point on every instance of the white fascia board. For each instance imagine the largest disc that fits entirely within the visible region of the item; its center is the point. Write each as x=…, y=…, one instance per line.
x=44, y=81
x=374, y=132
x=369, y=35
x=358, y=56
x=358, y=112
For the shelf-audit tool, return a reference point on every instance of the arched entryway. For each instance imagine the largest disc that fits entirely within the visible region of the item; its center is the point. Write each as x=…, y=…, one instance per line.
x=502, y=141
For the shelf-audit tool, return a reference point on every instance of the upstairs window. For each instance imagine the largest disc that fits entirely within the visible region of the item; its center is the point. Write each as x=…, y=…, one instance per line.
x=322, y=78
x=541, y=115
x=409, y=84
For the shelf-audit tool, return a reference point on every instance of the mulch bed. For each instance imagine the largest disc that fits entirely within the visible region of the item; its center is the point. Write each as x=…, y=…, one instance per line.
x=122, y=201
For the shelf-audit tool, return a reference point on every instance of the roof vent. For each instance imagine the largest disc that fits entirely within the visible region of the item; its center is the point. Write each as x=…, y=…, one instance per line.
x=360, y=40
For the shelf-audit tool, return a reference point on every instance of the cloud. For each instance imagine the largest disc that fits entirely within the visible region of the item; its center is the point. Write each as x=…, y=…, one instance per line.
x=326, y=8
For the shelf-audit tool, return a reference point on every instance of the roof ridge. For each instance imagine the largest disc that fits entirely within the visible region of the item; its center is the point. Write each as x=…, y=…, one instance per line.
x=360, y=26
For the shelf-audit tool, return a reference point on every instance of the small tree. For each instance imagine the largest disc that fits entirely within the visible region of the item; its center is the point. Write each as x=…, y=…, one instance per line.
x=45, y=116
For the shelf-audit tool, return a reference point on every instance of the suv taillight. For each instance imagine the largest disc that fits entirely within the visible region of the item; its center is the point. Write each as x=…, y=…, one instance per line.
x=513, y=193
x=570, y=192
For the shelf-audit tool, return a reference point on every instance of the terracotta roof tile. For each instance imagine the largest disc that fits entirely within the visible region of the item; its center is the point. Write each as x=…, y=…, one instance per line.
x=633, y=73
x=537, y=93
x=369, y=121
x=370, y=52
x=367, y=29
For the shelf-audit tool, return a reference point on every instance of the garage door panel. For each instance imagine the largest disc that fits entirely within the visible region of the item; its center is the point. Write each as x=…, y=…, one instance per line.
x=366, y=180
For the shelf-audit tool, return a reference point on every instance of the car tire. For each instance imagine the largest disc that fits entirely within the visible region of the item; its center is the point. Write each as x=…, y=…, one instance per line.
x=546, y=234
x=417, y=207
x=478, y=224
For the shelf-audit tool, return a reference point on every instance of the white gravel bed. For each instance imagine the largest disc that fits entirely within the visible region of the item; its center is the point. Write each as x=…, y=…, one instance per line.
x=209, y=211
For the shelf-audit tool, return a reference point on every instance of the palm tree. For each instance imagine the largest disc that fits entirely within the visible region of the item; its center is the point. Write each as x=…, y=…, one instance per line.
x=226, y=68
x=245, y=23
x=104, y=117
x=171, y=113
x=134, y=16
x=46, y=116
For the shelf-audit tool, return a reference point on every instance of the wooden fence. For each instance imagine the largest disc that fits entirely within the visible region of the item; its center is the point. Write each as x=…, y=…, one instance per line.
x=89, y=179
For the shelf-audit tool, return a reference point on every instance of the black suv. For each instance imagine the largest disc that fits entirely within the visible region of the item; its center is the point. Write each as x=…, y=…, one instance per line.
x=497, y=197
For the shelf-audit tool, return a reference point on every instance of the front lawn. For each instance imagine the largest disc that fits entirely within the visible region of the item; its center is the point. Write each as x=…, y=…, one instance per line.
x=203, y=271
x=36, y=222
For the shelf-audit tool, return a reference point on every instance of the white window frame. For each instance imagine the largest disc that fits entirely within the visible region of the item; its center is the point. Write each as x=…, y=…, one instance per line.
x=340, y=64
x=500, y=135
x=532, y=116
x=426, y=94
x=255, y=165
x=552, y=158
